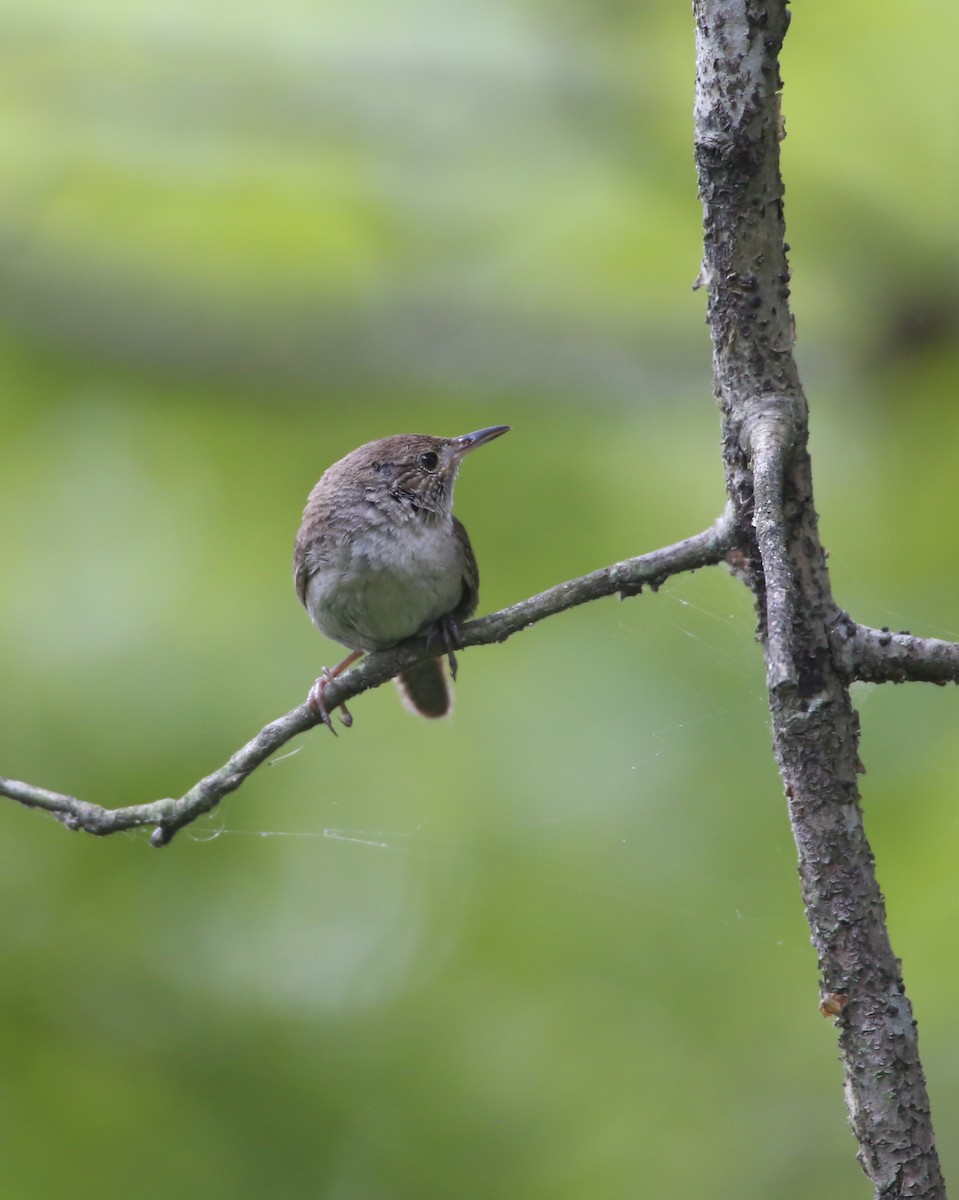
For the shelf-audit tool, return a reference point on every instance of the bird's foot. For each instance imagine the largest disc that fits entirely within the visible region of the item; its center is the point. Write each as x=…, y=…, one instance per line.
x=448, y=632
x=317, y=704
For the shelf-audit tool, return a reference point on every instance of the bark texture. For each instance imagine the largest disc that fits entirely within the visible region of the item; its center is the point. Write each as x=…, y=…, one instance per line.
x=738, y=128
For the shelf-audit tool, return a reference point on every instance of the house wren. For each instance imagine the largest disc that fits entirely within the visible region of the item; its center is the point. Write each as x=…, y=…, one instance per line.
x=380, y=557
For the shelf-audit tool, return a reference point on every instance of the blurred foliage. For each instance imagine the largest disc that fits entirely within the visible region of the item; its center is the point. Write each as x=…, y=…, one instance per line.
x=553, y=947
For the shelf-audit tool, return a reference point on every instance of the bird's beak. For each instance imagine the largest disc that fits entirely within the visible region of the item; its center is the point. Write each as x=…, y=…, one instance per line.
x=469, y=441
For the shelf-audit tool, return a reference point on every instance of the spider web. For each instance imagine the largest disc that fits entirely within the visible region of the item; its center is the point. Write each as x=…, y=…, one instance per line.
x=597, y=843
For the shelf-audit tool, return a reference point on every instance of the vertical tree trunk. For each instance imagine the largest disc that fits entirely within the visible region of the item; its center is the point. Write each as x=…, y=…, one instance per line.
x=815, y=729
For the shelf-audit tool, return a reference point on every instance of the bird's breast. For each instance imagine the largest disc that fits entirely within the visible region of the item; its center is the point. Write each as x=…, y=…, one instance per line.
x=386, y=583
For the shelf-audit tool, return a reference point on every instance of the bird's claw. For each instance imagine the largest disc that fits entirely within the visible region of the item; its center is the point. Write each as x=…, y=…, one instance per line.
x=317, y=704
x=447, y=630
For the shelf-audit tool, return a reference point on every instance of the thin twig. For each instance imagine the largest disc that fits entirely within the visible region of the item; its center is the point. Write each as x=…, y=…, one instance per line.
x=628, y=578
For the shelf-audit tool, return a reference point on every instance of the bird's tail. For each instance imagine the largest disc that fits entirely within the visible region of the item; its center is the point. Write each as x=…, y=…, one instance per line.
x=426, y=689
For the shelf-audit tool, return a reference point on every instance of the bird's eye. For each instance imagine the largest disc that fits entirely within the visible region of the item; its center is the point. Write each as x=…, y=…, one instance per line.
x=428, y=460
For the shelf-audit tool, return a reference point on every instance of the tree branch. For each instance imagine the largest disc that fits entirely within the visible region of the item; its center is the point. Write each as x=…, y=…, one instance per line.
x=880, y=656
x=627, y=578
x=815, y=729
x=769, y=437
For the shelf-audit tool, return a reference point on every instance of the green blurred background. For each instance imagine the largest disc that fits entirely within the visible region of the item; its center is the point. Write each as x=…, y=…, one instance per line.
x=553, y=947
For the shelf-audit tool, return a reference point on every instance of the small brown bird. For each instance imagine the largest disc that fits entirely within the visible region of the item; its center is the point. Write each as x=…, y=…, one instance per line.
x=380, y=557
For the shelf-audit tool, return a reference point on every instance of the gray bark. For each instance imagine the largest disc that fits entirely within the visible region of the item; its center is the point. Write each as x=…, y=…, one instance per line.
x=738, y=129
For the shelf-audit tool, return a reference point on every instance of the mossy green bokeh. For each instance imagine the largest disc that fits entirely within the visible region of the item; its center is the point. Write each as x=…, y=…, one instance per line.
x=553, y=947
